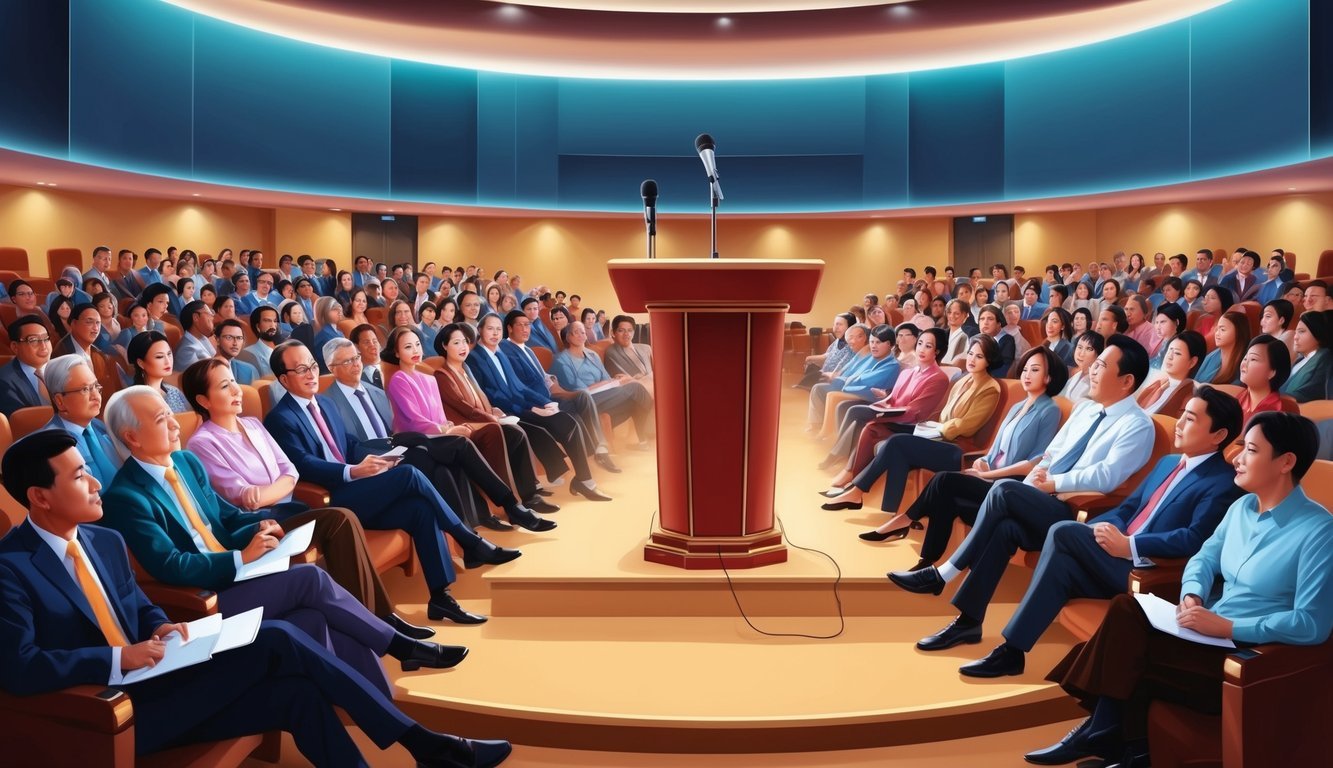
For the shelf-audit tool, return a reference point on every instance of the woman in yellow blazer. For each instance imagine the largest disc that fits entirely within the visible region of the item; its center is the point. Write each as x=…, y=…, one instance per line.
x=937, y=445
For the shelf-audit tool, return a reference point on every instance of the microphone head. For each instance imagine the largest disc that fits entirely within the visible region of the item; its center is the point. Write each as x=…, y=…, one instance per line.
x=649, y=191
x=704, y=141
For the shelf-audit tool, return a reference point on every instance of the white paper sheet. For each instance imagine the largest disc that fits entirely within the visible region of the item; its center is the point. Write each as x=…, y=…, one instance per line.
x=178, y=655
x=1162, y=615
x=278, y=559
x=239, y=630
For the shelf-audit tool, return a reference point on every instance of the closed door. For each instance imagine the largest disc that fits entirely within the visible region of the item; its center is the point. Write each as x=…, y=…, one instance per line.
x=983, y=241
x=385, y=238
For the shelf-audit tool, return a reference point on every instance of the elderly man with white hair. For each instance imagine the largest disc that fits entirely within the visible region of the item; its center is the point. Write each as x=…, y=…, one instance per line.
x=76, y=398
x=183, y=533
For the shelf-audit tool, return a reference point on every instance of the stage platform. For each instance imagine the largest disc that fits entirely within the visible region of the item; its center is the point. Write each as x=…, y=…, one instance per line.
x=591, y=648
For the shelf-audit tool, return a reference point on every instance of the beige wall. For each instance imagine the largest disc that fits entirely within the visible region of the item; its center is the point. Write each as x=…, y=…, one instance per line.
x=38, y=219
x=568, y=253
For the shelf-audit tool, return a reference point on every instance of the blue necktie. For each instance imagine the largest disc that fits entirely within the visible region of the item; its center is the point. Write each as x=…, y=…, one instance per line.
x=1075, y=453
x=371, y=416
x=105, y=469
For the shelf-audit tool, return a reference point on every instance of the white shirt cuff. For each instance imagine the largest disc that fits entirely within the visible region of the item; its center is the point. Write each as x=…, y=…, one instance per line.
x=117, y=674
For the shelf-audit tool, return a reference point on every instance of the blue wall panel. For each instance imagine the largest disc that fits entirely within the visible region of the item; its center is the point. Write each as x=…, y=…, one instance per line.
x=497, y=130
x=885, y=157
x=1104, y=117
x=955, y=145
x=801, y=117
x=433, y=132
x=282, y=113
x=1250, y=102
x=131, y=86
x=34, y=76
x=535, y=138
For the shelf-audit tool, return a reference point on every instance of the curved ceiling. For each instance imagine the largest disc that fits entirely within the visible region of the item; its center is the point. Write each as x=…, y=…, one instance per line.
x=678, y=40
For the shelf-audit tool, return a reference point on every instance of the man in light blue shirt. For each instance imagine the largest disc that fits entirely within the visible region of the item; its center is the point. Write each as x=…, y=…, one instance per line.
x=1106, y=440
x=1274, y=554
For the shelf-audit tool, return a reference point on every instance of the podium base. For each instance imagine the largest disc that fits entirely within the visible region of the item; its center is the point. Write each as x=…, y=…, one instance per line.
x=697, y=553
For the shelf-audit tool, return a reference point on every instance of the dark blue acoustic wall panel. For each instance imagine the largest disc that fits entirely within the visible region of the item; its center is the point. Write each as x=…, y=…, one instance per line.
x=497, y=130
x=34, y=76
x=131, y=87
x=799, y=117
x=1321, y=78
x=955, y=144
x=433, y=132
x=1250, y=100
x=536, y=134
x=285, y=114
x=1108, y=116
x=885, y=156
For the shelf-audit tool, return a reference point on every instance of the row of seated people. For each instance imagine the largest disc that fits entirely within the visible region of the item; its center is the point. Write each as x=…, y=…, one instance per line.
x=1023, y=494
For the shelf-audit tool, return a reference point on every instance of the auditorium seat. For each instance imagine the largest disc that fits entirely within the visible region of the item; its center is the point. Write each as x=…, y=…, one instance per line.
x=25, y=421
x=252, y=403
x=802, y=346
x=1192, y=319
x=14, y=260
x=600, y=347
x=544, y=356
x=93, y=725
x=1325, y=269
x=1163, y=438
x=434, y=362
x=1275, y=699
x=1175, y=405
x=1317, y=410
x=1032, y=331
x=59, y=258
x=387, y=549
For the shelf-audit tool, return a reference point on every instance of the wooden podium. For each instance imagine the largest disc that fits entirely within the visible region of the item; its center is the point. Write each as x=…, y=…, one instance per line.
x=717, y=329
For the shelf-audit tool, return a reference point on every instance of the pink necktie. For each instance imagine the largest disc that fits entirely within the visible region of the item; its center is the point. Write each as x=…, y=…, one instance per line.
x=324, y=432
x=1142, y=517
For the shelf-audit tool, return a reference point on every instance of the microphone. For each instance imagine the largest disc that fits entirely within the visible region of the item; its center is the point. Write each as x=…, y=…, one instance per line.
x=649, y=191
x=705, y=146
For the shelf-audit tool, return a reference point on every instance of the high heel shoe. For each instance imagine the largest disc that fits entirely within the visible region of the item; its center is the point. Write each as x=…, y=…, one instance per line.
x=834, y=491
x=893, y=535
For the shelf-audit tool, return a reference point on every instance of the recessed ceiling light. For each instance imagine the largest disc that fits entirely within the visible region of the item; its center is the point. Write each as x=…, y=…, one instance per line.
x=900, y=10
x=510, y=12
x=41, y=183
x=724, y=22
x=52, y=184
x=335, y=210
x=194, y=194
x=1291, y=189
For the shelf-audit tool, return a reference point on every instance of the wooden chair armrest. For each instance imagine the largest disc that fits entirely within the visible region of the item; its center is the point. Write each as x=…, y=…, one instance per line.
x=94, y=708
x=313, y=496
x=971, y=456
x=1163, y=581
x=1092, y=503
x=1271, y=661
x=181, y=603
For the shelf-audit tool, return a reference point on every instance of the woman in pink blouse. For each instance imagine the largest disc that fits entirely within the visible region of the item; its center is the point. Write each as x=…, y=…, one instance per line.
x=247, y=468
x=417, y=407
x=1264, y=369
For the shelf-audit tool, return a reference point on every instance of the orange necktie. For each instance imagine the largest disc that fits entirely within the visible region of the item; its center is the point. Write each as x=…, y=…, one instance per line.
x=192, y=514
x=95, y=597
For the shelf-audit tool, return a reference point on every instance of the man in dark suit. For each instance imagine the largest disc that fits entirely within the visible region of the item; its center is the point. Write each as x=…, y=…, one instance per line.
x=1176, y=508
x=382, y=494
x=71, y=614
x=1244, y=283
x=126, y=285
x=77, y=400
x=518, y=333
x=20, y=381
x=85, y=325
x=451, y=461
x=182, y=533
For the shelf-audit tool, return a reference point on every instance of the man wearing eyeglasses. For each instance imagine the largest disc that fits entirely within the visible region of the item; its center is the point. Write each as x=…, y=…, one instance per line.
x=230, y=335
x=21, y=384
x=76, y=398
x=85, y=325
x=24, y=297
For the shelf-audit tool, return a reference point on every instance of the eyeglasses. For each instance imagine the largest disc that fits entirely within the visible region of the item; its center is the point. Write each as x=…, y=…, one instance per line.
x=25, y=294
x=35, y=341
x=305, y=370
x=355, y=360
x=231, y=337
x=84, y=390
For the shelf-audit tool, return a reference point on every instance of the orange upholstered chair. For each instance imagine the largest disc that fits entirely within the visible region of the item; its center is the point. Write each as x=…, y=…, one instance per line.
x=14, y=260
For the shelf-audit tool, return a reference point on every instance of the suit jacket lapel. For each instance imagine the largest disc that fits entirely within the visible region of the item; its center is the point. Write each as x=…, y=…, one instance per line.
x=95, y=562
x=140, y=477
x=296, y=415
x=51, y=566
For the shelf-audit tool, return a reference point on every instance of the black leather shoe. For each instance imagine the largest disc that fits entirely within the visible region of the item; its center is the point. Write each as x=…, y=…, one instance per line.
x=921, y=563
x=445, y=607
x=580, y=488
x=410, y=630
x=433, y=656
x=545, y=492
x=957, y=633
x=526, y=518
x=926, y=581
x=538, y=504
x=1079, y=743
x=469, y=753
x=838, y=506
x=1004, y=661
x=495, y=523
x=486, y=553
x=604, y=461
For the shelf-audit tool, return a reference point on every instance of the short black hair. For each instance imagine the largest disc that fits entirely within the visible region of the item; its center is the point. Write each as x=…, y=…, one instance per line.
x=27, y=463
x=1093, y=339
x=188, y=313
x=1173, y=311
x=389, y=352
x=1315, y=321
x=230, y=323
x=80, y=308
x=1056, y=370
x=1253, y=257
x=1224, y=411
x=1284, y=309
x=941, y=338
x=511, y=318
x=442, y=338
x=275, y=359
x=258, y=315
x=1121, y=319
x=15, y=329
x=1195, y=346
x=355, y=335
x=194, y=382
x=1133, y=358
x=1279, y=358
x=1063, y=290
x=618, y=319
x=1287, y=432
x=1180, y=258
x=138, y=350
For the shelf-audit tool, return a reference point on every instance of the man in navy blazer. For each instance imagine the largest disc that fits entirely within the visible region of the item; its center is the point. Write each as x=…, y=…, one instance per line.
x=1244, y=282
x=451, y=461
x=1193, y=489
x=382, y=494
x=206, y=542
x=30, y=341
x=537, y=387
x=53, y=636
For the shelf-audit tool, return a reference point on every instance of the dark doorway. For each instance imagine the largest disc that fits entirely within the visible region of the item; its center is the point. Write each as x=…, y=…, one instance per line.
x=387, y=238
x=982, y=241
